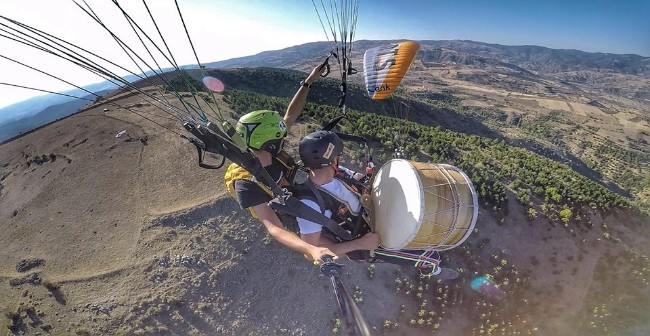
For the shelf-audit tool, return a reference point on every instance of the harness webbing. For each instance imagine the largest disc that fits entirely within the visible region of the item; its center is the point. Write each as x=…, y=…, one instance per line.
x=294, y=207
x=354, y=221
x=321, y=202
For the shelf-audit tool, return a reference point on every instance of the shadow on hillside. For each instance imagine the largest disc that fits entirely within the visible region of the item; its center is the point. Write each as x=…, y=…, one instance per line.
x=570, y=160
x=449, y=120
x=201, y=214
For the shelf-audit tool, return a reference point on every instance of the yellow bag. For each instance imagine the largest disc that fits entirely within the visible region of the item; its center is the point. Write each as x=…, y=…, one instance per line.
x=236, y=172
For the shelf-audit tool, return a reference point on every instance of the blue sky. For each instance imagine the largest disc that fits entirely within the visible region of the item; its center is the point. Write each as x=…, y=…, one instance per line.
x=223, y=29
x=595, y=26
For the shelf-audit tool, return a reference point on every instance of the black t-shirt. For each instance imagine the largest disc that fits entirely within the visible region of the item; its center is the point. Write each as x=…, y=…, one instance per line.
x=250, y=194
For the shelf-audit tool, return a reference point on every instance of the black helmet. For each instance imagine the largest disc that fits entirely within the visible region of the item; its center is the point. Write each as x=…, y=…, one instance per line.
x=319, y=149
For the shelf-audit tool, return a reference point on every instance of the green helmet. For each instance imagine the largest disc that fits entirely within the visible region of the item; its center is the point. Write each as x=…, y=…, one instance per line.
x=262, y=129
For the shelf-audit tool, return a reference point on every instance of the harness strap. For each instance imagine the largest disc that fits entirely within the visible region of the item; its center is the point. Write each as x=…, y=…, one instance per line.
x=290, y=166
x=356, y=225
x=321, y=202
x=294, y=207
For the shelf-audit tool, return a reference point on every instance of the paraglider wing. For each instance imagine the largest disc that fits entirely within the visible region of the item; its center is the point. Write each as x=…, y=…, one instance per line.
x=385, y=66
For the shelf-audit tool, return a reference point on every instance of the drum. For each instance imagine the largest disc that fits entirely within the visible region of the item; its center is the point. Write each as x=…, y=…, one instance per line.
x=420, y=206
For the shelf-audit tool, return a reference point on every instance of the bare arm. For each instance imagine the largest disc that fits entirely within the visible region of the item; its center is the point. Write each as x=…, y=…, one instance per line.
x=300, y=98
x=287, y=238
x=370, y=241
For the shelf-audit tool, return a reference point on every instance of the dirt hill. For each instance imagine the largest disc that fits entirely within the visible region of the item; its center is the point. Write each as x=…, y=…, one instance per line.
x=128, y=236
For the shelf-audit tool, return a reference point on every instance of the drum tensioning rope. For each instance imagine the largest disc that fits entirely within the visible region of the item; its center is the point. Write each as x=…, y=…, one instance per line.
x=428, y=257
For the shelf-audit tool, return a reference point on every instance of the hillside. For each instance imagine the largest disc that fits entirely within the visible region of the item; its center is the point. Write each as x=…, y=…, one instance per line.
x=128, y=236
x=49, y=114
x=35, y=112
x=587, y=110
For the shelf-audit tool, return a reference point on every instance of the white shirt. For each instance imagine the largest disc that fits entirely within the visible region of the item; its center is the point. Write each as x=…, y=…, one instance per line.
x=336, y=188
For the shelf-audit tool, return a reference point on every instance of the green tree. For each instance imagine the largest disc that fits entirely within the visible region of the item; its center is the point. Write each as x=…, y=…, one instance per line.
x=565, y=215
x=532, y=213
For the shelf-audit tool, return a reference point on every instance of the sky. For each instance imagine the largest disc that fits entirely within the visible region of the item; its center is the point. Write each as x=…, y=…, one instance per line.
x=223, y=29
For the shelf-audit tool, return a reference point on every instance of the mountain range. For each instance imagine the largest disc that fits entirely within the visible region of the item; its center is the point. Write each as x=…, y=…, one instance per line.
x=566, y=66
x=530, y=58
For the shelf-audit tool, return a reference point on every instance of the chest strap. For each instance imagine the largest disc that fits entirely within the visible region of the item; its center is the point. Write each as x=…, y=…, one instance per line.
x=319, y=198
x=294, y=207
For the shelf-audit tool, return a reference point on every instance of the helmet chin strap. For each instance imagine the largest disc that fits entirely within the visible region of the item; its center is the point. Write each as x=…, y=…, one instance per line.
x=275, y=148
x=335, y=166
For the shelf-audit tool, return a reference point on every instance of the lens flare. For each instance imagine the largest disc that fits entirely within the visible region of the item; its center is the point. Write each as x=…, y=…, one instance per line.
x=213, y=84
x=485, y=285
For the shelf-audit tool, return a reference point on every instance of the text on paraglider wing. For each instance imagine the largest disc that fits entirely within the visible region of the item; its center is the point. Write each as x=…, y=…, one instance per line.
x=383, y=87
x=386, y=57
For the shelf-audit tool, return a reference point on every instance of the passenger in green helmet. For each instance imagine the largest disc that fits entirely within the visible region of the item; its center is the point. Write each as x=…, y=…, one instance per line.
x=263, y=132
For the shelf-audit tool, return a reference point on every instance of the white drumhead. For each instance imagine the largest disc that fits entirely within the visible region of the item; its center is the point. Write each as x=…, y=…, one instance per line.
x=398, y=203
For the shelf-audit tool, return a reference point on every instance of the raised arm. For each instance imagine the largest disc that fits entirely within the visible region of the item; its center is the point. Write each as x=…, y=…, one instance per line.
x=300, y=98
